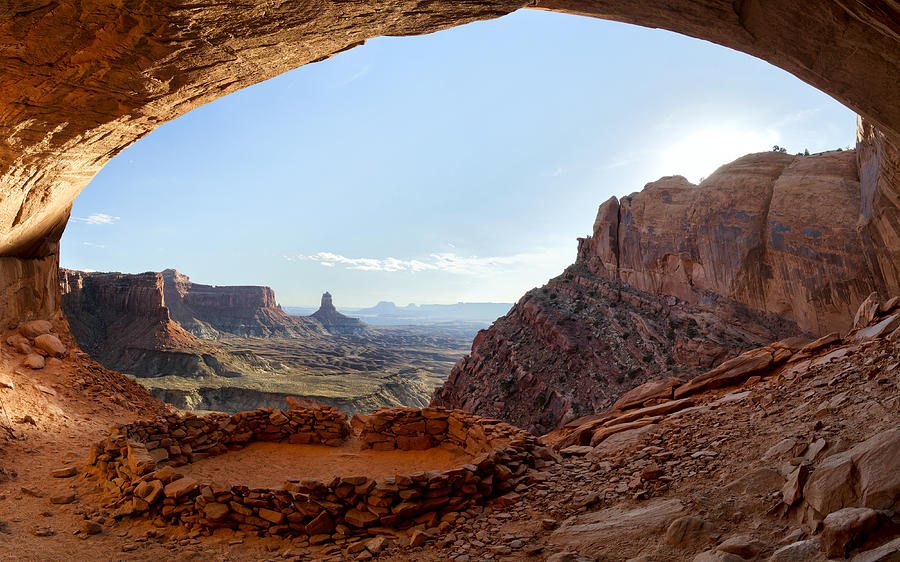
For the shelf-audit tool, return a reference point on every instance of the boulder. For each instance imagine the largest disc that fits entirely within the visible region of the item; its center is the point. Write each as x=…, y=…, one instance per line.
x=758, y=482
x=650, y=411
x=778, y=449
x=604, y=432
x=16, y=340
x=717, y=556
x=275, y=517
x=881, y=329
x=689, y=532
x=743, y=546
x=889, y=305
x=91, y=527
x=888, y=552
x=846, y=528
x=821, y=343
x=360, y=519
x=358, y=422
x=793, y=488
x=50, y=344
x=35, y=328
x=866, y=311
x=624, y=441
x=34, y=361
x=65, y=472
x=215, y=511
x=801, y=551
x=728, y=373
x=865, y=476
x=321, y=524
x=599, y=528
x=651, y=390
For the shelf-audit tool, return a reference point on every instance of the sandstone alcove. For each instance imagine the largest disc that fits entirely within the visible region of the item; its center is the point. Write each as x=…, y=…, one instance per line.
x=91, y=81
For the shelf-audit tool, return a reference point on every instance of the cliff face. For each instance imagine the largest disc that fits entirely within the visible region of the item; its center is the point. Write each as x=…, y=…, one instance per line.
x=679, y=277
x=776, y=232
x=118, y=318
x=206, y=310
x=150, y=324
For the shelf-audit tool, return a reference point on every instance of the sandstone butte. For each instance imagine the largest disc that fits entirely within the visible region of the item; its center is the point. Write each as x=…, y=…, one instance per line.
x=790, y=451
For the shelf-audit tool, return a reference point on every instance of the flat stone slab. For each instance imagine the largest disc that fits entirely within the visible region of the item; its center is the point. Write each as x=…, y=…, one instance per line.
x=614, y=524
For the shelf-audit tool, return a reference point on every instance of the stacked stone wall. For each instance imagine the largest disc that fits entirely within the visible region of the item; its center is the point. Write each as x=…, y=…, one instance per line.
x=138, y=462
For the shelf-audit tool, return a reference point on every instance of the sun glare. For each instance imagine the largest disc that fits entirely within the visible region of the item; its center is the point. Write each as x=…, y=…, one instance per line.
x=698, y=154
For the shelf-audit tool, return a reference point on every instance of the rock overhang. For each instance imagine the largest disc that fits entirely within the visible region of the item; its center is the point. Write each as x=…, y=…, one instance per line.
x=89, y=81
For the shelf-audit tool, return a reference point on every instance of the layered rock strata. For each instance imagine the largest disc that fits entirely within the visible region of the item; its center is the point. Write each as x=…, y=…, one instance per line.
x=206, y=310
x=150, y=324
x=137, y=463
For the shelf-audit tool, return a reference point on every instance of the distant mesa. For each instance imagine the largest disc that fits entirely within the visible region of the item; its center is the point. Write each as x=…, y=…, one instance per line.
x=334, y=321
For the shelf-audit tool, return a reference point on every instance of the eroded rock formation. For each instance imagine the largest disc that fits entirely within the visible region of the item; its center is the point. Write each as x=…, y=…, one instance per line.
x=121, y=320
x=678, y=278
x=334, y=321
x=206, y=310
x=780, y=233
x=150, y=324
x=88, y=80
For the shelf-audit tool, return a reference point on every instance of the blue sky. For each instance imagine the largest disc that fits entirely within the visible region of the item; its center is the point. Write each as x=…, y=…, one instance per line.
x=457, y=166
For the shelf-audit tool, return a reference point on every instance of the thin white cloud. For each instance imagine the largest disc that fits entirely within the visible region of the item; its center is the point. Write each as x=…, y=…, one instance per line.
x=800, y=116
x=557, y=172
x=362, y=72
x=446, y=262
x=92, y=245
x=98, y=218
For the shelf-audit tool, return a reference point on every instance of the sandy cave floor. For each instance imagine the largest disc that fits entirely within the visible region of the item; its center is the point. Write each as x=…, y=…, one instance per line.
x=269, y=465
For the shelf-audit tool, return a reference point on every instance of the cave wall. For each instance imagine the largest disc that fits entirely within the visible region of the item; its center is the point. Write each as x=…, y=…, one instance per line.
x=83, y=80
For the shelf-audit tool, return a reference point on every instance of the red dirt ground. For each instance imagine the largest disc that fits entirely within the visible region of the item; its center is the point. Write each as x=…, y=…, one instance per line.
x=269, y=465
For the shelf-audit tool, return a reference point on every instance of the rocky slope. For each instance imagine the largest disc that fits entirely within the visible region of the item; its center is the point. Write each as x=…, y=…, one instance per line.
x=576, y=344
x=792, y=459
x=678, y=277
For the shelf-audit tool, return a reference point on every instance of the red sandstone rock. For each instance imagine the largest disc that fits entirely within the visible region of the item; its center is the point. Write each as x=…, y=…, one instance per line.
x=865, y=476
x=842, y=530
x=334, y=321
x=34, y=361
x=35, y=328
x=50, y=344
x=679, y=239
x=216, y=511
x=648, y=391
x=181, y=487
